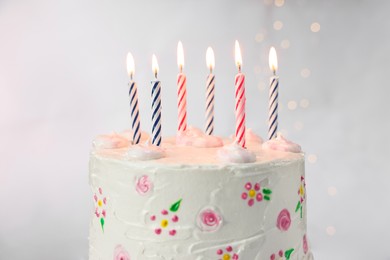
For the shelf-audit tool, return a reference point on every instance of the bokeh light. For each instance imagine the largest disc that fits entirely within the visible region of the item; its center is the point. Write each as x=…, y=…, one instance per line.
x=331, y=230
x=292, y=105
x=332, y=191
x=285, y=44
x=305, y=73
x=278, y=25
x=312, y=158
x=315, y=27
x=259, y=37
x=298, y=125
x=279, y=3
x=304, y=103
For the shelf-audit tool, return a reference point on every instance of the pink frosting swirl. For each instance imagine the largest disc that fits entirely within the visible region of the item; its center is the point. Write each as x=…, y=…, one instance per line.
x=120, y=253
x=284, y=220
x=143, y=185
x=209, y=220
x=305, y=245
x=282, y=144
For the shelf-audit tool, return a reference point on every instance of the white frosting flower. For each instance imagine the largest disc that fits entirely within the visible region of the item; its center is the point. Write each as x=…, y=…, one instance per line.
x=282, y=144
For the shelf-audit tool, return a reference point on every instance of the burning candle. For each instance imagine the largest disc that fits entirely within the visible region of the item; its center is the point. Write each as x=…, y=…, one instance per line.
x=240, y=99
x=135, y=125
x=181, y=90
x=273, y=95
x=156, y=105
x=210, y=89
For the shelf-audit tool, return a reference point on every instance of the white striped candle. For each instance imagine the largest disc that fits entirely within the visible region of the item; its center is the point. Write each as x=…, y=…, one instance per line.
x=181, y=90
x=210, y=90
x=156, y=105
x=134, y=110
x=240, y=99
x=273, y=96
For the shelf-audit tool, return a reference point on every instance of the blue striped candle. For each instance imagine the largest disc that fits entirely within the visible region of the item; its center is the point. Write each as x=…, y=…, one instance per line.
x=156, y=106
x=135, y=125
x=273, y=96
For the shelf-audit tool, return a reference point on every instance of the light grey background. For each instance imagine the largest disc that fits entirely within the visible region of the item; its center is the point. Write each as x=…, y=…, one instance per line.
x=63, y=80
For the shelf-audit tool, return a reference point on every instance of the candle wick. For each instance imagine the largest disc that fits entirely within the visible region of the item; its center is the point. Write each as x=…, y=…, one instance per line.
x=131, y=76
x=181, y=68
x=274, y=71
x=155, y=74
x=239, y=68
x=211, y=70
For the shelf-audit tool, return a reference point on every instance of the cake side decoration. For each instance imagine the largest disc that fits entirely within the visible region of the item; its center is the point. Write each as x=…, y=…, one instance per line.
x=195, y=137
x=305, y=245
x=227, y=254
x=209, y=220
x=165, y=218
x=100, y=204
x=283, y=221
x=143, y=185
x=235, y=153
x=121, y=254
x=302, y=196
x=280, y=143
x=253, y=193
x=282, y=255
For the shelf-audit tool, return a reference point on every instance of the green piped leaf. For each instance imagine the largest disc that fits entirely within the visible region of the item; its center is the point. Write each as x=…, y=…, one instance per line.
x=175, y=206
x=267, y=191
x=102, y=223
x=288, y=253
x=298, y=206
x=266, y=197
x=301, y=212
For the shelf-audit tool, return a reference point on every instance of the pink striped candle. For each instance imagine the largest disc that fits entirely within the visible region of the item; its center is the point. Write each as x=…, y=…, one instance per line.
x=181, y=90
x=240, y=99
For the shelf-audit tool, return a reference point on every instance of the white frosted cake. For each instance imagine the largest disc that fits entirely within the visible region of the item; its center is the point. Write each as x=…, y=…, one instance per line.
x=187, y=202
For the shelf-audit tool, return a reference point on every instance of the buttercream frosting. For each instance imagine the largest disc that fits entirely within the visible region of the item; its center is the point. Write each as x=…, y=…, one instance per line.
x=195, y=137
x=280, y=143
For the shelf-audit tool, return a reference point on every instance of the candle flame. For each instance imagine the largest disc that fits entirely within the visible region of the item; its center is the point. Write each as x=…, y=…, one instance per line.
x=238, y=55
x=210, y=60
x=154, y=65
x=273, y=60
x=130, y=65
x=180, y=55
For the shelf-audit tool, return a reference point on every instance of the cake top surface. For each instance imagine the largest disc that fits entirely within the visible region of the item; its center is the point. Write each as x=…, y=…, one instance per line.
x=175, y=151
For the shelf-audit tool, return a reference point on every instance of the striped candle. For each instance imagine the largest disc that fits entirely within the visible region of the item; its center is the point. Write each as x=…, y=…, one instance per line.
x=135, y=125
x=240, y=100
x=181, y=90
x=210, y=89
x=156, y=106
x=273, y=96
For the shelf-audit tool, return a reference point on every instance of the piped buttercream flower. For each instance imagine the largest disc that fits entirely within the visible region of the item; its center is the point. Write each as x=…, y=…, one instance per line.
x=302, y=196
x=283, y=221
x=121, y=254
x=100, y=206
x=254, y=193
x=227, y=254
x=282, y=254
x=167, y=219
x=143, y=185
x=209, y=220
x=305, y=245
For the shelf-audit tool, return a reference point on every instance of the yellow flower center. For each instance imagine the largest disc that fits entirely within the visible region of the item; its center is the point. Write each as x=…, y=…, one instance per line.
x=164, y=223
x=302, y=190
x=226, y=257
x=100, y=203
x=252, y=193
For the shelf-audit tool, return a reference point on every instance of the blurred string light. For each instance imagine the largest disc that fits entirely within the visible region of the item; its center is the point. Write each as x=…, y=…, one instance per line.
x=292, y=105
x=312, y=158
x=315, y=27
x=259, y=37
x=304, y=103
x=279, y=3
x=298, y=125
x=278, y=25
x=305, y=73
x=285, y=44
x=331, y=230
x=332, y=191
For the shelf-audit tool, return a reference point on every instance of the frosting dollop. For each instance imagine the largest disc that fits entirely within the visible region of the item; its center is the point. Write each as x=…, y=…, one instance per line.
x=145, y=152
x=195, y=137
x=250, y=136
x=282, y=144
x=234, y=153
x=110, y=141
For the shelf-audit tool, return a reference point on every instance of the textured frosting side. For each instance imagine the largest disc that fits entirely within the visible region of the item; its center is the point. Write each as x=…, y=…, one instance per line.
x=189, y=206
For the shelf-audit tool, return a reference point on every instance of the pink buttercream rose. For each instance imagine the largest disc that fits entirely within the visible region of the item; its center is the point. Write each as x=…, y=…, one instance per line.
x=120, y=253
x=143, y=185
x=284, y=220
x=209, y=220
x=305, y=245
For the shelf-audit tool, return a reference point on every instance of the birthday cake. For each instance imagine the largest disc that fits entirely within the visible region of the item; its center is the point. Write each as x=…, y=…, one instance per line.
x=197, y=197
